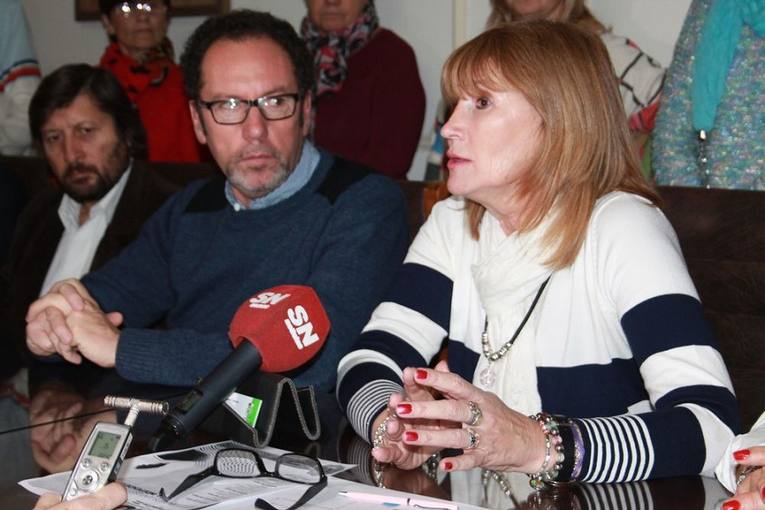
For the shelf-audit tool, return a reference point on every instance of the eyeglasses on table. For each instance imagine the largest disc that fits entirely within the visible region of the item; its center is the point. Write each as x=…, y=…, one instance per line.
x=244, y=463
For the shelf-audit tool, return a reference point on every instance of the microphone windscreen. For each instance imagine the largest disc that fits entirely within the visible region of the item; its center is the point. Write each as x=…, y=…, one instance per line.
x=287, y=324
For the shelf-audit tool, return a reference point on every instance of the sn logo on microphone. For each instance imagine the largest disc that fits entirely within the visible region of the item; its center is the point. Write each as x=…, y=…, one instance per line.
x=265, y=300
x=300, y=327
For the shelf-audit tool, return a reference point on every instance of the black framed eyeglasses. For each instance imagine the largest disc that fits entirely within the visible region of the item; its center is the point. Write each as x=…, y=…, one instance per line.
x=244, y=463
x=234, y=110
x=127, y=9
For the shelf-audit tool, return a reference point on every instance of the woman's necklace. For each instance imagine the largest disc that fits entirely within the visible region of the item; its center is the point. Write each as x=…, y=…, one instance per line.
x=487, y=376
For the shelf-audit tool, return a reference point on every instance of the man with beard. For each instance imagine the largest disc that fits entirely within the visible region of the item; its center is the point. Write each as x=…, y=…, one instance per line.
x=287, y=213
x=92, y=138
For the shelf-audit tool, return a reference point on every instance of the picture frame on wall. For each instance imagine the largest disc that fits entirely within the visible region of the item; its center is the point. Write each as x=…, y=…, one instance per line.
x=86, y=10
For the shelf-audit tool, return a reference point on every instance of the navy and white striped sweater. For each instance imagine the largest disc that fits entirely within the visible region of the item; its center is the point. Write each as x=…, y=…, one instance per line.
x=619, y=341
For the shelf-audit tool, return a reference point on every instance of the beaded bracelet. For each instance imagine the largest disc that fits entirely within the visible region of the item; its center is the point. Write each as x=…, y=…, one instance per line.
x=553, y=452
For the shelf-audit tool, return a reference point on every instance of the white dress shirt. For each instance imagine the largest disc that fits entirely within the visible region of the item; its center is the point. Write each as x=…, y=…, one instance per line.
x=78, y=244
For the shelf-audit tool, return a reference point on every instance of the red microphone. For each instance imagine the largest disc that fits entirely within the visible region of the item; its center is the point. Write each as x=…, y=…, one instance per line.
x=287, y=324
x=277, y=330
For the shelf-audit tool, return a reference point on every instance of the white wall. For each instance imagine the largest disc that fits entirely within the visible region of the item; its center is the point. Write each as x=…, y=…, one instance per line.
x=653, y=24
x=428, y=25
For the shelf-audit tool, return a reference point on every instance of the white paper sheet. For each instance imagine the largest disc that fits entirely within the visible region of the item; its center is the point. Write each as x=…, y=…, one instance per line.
x=152, y=477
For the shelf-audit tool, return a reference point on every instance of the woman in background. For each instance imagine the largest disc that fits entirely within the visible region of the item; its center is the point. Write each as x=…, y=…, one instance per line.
x=141, y=57
x=369, y=104
x=640, y=77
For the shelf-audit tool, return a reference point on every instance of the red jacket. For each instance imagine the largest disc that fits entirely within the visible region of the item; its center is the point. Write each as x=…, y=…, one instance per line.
x=156, y=88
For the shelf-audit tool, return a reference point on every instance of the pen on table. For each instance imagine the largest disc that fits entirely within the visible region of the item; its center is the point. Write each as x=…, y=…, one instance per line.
x=393, y=501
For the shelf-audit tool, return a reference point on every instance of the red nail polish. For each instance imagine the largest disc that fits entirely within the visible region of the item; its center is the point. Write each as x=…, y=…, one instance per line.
x=762, y=493
x=421, y=374
x=741, y=454
x=403, y=408
x=411, y=435
x=448, y=465
x=731, y=505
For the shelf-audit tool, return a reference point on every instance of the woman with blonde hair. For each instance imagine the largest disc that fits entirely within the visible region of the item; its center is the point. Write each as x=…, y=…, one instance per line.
x=577, y=347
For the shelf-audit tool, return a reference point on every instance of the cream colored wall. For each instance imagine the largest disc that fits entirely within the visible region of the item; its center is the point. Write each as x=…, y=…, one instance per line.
x=428, y=25
x=653, y=24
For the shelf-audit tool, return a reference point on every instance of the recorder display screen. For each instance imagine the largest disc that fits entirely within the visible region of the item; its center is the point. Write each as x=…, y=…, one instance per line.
x=104, y=444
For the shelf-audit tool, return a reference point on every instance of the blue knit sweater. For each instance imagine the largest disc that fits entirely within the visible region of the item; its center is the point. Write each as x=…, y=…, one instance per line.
x=197, y=260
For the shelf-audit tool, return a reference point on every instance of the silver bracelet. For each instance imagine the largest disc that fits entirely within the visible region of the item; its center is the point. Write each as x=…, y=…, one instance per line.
x=378, y=438
x=380, y=431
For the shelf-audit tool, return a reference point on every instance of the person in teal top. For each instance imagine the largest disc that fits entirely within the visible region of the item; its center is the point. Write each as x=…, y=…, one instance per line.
x=711, y=123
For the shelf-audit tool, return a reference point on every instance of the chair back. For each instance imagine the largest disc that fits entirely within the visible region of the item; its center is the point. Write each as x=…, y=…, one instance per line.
x=722, y=234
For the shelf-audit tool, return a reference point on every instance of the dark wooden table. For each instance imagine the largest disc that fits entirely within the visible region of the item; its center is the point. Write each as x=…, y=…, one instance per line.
x=45, y=433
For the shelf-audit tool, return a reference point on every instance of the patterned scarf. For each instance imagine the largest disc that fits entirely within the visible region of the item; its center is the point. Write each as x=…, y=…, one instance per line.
x=330, y=51
x=715, y=51
x=137, y=76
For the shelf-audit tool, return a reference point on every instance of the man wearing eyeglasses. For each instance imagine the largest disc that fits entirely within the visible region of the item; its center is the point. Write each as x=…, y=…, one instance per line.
x=141, y=57
x=286, y=213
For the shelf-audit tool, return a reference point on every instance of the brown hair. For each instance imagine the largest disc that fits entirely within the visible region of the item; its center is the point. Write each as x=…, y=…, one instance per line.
x=574, y=11
x=585, y=150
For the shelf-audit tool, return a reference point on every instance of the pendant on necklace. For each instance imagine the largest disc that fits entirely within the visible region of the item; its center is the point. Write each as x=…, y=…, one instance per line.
x=487, y=377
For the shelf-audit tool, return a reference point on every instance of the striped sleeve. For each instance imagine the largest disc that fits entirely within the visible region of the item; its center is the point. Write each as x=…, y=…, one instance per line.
x=406, y=329
x=693, y=409
x=691, y=412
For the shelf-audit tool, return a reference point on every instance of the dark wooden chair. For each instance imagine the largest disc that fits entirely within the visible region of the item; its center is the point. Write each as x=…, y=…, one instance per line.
x=420, y=199
x=722, y=234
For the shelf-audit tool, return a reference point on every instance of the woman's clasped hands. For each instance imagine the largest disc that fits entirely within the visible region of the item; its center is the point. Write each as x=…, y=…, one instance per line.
x=491, y=435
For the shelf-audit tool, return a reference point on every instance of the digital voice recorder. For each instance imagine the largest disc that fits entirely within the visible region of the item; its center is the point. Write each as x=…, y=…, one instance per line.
x=101, y=458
